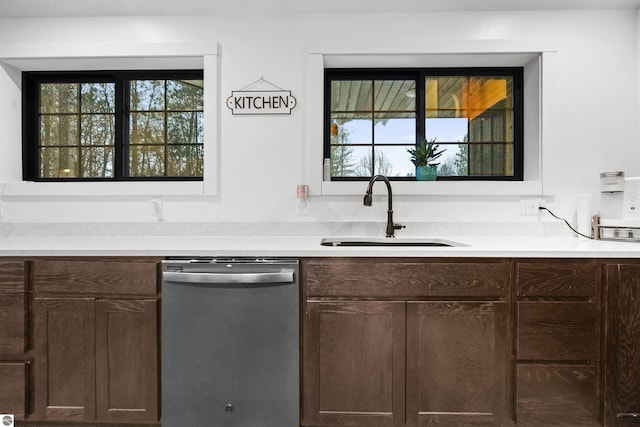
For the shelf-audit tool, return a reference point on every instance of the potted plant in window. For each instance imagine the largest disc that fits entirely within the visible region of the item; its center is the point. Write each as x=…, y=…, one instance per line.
x=423, y=157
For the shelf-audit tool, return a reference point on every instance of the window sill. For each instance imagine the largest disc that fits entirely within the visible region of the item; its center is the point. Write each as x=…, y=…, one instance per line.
x=441, y=188
x=101, y=189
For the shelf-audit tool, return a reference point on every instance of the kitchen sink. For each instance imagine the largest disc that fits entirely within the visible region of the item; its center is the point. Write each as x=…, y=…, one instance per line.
x=387, y=241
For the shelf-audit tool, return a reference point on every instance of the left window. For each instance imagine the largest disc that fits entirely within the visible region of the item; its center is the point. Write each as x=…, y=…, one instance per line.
x=116, y=125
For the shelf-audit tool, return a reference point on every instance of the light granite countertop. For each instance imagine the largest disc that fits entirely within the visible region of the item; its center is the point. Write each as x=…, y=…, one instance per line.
x=298, y=240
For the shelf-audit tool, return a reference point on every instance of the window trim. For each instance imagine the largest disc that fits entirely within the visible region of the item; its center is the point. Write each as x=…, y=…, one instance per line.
x=16, y=57
x=538, y=56
x=419, y=74
x=30, y=113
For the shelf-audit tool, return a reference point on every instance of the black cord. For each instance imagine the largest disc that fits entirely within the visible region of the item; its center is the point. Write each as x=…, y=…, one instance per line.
x=566, y=222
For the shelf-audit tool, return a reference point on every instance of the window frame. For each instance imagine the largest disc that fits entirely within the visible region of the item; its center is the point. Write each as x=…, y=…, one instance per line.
x=420, y=74
x=31, y=110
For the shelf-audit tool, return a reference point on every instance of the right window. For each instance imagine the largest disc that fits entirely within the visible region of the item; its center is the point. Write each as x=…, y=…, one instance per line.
x=475, y=115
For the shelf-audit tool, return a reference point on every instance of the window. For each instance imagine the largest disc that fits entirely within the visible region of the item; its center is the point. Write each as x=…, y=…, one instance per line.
x=475, y=115
x=124, y=125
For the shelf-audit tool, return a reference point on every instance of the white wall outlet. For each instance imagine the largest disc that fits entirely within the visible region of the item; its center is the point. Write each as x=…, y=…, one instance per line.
x=631, y=198
x=156, y=209
x=530, y=207
x=7, y=420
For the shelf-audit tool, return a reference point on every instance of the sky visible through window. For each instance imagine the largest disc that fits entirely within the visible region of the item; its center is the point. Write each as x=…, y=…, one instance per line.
x=402, y=132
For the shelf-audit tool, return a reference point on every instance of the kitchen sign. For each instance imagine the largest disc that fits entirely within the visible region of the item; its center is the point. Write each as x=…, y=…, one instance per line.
x=261, y=102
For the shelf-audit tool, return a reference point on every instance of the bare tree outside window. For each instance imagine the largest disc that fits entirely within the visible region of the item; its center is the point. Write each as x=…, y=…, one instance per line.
x=372, y=116
x=83, y=133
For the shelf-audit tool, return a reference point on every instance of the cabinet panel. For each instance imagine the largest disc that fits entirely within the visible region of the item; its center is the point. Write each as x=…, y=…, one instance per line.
x=13, y=388
x=12, y=276
x=354, y=363
x=556, y=279
x=126, y=360
x=12, y=323
x=557, y=395
x=623, y=345
x=65, y=358
x=557, y=331
x=458, y=357
x=392, y=278
x=95, y=277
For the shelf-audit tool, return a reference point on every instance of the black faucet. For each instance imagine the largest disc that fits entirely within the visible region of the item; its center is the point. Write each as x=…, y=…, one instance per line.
x=368, y=200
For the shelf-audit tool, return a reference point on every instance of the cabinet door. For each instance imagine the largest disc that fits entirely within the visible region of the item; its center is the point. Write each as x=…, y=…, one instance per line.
x=13, y=388
x=457, y=359
x=64, y=358
x=354, y=364
x=622, y=406
x=127, y=360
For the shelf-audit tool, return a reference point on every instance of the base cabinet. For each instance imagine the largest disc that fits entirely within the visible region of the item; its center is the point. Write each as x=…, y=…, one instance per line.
x=394, y=352
x=386, y=342
x=79, y=341
x=623, y=345
x=96, y=340
x=96, y=360
x=558, y=364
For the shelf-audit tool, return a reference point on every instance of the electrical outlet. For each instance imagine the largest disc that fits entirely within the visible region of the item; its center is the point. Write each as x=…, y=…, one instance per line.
x=530, y=207
x=156, y=208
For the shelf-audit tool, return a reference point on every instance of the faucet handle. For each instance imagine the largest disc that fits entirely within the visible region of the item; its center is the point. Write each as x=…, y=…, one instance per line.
x=398, y=226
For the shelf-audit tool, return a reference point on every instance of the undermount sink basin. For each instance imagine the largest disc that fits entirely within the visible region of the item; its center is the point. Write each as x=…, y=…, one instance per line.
x=387, y=241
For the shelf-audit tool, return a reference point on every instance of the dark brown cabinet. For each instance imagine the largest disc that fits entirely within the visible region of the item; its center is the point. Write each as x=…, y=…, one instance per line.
x=354, y=363
x=451, y=346
x=623, y=345
x=558, y=369
x=65, y=357
x=385, y=338
x=127, y=360
x=385, y=341
x=13, y=388
x=95, y=340
x=13, y=316
x=14, y=362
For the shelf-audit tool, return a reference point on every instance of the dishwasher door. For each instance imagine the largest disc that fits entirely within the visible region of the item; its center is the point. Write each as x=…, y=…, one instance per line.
x=230, y=343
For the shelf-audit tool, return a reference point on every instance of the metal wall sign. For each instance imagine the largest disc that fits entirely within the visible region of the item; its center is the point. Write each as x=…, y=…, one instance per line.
x=261, y=102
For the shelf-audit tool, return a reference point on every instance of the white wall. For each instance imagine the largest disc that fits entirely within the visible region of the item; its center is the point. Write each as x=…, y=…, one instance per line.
x=262, y=159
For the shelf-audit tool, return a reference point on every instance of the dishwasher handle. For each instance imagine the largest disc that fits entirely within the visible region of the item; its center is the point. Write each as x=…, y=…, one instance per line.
x=285, y=276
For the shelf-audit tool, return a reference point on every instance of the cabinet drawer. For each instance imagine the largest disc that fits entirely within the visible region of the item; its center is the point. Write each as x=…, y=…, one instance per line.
x=401, y=279
x=557, y=331
x=13, y=388
x=557, y=395
x=11, y=276
x=12, y=321
x=96, y=277
x=556, y=279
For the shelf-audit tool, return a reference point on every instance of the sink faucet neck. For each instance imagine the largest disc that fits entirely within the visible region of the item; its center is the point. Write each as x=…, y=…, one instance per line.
x=368, y=199
x=370, y=190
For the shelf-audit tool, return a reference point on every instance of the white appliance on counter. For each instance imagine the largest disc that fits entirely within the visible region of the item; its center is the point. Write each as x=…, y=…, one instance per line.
x=621, y=200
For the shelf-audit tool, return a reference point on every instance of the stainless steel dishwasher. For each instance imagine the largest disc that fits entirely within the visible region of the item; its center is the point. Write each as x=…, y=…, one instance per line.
x=230, y=343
